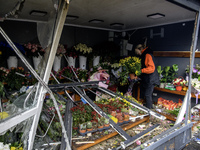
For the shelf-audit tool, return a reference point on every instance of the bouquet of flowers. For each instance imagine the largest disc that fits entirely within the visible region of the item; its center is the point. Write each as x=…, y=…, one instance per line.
x=32, y=50
x=67, y=72
x=195, y=81
x=83, y=49
x=179, y=81
x=82, y=74
x=71, y=52
x=3, y=74
x=60, y=50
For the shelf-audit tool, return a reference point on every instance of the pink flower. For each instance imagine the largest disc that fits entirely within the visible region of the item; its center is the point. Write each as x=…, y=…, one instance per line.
x=138, y=142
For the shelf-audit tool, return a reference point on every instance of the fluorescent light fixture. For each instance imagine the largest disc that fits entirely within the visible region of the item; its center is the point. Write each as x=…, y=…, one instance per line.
x=70, y=17
x=156, y=16
x=38, y=13
x=116, y=24
x=96, y=21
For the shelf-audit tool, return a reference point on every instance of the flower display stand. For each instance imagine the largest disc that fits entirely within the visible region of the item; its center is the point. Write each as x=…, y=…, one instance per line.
x=36, y=61
x=12, y=61
x=96, y=60
x=97, y=141
x=57, y=63
x=72, y=61
x=82, y=62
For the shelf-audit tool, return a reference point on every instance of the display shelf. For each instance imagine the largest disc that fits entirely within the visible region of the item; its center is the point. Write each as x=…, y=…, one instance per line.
x=174, y=54
x=169, y=117
x=175, y=92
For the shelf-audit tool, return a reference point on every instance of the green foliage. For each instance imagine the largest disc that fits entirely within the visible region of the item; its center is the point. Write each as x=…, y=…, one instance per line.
x=174, y=112
x=89, y=125
x=2, y=93
x=168, y=74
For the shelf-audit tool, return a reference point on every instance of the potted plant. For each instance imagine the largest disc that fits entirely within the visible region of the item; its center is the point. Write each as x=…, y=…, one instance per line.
x=34, y=51
x=59, y=53
x=125, y=112
x=83, y=50
x=89, y=126
x=100, y=122
x=106, y=122
x=82, y=74
x=67, y=73
x=131, y=67
x=160, y=71
x=71, y=56
x=82, y=127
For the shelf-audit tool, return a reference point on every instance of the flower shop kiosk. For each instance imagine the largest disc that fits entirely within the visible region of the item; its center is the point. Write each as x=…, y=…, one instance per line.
x=63, y=111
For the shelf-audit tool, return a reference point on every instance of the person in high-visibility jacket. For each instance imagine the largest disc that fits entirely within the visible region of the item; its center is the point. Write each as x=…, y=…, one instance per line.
x=149, y=76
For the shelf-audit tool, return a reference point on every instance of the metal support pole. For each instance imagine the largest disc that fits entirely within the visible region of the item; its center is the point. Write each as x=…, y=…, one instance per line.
x=41, y=90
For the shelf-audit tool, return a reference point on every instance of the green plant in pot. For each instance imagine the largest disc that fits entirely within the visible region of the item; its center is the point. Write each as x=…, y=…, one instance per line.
x=89, y=126
x=100, y=122
x=106, y=122
x=82, y=127
x=173, y=72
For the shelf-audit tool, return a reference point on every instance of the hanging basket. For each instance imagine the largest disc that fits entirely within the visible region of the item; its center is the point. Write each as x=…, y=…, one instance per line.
x=12, y=61
x=57, y=63
x=82, y=62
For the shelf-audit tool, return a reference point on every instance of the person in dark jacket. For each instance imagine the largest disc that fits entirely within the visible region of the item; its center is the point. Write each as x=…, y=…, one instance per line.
x=149, y=77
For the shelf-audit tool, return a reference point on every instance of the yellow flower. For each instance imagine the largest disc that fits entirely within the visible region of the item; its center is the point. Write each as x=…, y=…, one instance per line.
x=0, y=52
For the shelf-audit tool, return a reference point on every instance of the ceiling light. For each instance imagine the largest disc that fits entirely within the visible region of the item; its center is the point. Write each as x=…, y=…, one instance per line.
x=117, y=24
x=38, y=13
x=156, y=16
x=70, y=17
x=96, y=21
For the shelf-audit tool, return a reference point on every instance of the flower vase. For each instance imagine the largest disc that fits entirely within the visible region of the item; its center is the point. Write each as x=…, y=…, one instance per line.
x=36, y=61
x=71, y=61
x=57, y=63
x=96, y=60
x=12, y=61
x=82, y=62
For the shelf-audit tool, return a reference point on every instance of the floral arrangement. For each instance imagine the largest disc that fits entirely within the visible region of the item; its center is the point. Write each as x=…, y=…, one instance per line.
x=67, y=72
x=3, y=74
x=195, y=71
x=21, y=77
x=83, y=49
x=82, y=74
x=71, y=52
x=60, y=50
x=195, y=81
x=179, y=81
x=33, y=50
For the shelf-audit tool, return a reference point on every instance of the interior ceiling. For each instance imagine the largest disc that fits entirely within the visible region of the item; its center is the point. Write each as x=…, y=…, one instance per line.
x=131, y=13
